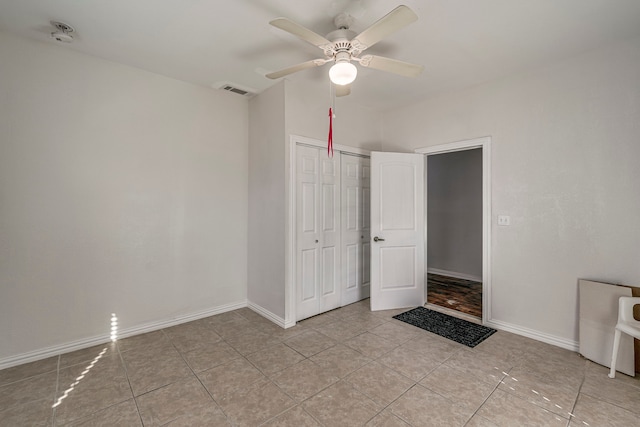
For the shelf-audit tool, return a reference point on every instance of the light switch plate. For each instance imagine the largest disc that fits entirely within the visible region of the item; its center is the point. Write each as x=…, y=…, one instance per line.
x=504, y=220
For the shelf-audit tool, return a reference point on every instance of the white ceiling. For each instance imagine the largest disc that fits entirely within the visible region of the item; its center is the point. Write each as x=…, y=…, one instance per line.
x=460, y=42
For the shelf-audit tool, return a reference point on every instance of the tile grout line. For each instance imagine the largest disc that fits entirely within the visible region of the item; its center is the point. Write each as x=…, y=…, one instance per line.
x=384, y=407
x=266, y=376
x=269, y=379
x=575, y=402
x=284, y=391
x=126, y=372
x=569, y=417
x=222, y=339
x=485, y=400
x=299, y=404
x=53, y=408
x=290, y=397
x=461, y=349
x=198, y=378
x=395, y=400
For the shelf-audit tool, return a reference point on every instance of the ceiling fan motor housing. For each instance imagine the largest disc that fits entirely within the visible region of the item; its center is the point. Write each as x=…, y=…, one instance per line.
x=340, y=42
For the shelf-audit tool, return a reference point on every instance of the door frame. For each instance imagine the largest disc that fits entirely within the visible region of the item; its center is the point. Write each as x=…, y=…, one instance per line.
x=485, y=144
x=290, y=222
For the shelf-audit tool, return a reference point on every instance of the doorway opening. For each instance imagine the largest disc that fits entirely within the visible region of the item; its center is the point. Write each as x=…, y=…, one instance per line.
x=458, y=250
x=454, y=224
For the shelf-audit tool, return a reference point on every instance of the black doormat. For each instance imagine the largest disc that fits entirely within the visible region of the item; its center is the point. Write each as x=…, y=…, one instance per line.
x=458, y=330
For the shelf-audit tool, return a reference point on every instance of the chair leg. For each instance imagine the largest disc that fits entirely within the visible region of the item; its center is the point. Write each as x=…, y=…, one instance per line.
x=614, y=356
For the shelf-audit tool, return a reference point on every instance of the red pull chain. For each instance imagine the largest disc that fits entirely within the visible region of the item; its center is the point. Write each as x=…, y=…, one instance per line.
x=330, y=140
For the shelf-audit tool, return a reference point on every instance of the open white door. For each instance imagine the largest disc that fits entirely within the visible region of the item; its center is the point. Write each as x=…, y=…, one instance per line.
x=397, y=230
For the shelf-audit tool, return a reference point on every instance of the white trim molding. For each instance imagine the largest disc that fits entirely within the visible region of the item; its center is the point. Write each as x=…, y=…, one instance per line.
x=536, y=335
x=55, y=350
x=451, y=147
x=485, y=144
x=454, y=274
x=270, y=316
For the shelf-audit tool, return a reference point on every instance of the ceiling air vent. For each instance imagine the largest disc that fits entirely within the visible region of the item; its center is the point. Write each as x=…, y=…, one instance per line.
x=232, y=87
x=235, y=90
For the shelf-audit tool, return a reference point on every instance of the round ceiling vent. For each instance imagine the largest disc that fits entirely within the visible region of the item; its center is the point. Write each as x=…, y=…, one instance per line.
x=63, y=33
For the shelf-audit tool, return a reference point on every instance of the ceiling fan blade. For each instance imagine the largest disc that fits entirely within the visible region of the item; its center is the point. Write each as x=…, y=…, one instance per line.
x=301, y=32
x=399, y=17
x=342, y=90
x=296, y=68
x=391, y=65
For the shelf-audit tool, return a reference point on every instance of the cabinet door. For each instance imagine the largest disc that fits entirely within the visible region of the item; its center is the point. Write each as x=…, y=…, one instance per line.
x=355, y=228
x=317, y=232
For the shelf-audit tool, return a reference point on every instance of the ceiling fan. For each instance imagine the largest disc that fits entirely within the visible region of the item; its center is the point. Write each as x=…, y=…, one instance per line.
x=343, y=46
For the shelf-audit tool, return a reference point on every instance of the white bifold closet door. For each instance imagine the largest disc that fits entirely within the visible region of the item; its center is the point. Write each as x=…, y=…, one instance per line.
x=317, y=232
x=356, y=246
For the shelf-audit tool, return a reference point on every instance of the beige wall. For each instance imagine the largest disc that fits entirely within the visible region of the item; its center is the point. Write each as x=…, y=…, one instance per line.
x=120, y=191
x=565, y=150
x=307, y=114
x=124, y=191
x=267, y=203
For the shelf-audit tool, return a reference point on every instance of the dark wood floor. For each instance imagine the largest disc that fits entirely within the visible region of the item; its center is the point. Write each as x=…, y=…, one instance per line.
x=457, y=294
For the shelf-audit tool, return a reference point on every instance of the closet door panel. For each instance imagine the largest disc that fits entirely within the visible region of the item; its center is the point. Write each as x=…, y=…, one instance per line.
x=355, y=230
x=318, y=224
x=366, y=229
x=351, y=266
x=328, y=271
x=330, y=238
x=307, y=232
x=308, y=274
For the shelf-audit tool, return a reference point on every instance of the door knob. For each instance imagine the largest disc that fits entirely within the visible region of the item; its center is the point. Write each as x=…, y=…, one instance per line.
x=377, y=239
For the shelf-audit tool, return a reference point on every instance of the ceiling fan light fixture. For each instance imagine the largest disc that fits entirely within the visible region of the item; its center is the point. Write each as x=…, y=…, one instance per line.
x=343, y=73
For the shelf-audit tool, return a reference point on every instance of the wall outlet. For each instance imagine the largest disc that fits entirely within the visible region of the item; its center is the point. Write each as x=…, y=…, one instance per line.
x=504, y=220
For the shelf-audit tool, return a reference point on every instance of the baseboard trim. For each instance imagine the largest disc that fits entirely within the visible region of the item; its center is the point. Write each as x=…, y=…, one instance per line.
x=462, y=276
x=536, y=335
x=162, y=324
x=44, y=353
x=270, y=316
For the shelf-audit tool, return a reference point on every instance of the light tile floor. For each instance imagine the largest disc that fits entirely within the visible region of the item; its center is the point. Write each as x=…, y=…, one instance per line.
x=346, y=367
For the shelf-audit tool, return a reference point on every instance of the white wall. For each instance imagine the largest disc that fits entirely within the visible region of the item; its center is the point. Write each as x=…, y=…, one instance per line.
x=307, y=114
x=120, y=191
x=124, y=191
x=454, y=212
x=267, y=204
x=565, y=150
